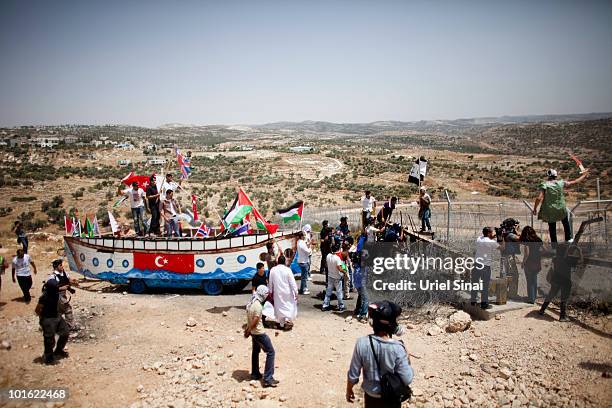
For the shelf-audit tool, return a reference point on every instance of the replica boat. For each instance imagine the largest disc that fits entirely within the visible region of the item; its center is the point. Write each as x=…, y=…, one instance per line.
x=141, y=263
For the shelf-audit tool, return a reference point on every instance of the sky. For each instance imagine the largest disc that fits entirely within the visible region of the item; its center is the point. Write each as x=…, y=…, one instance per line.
x=249, y=62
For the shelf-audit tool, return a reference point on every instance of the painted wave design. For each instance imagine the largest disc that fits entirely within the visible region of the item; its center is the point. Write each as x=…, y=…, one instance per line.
x=246, y=273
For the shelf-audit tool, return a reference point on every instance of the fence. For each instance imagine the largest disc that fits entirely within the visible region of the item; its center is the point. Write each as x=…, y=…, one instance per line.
x=459, y=223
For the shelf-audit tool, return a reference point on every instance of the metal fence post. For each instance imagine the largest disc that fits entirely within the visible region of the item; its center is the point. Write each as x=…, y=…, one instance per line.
x=448, y=215
x=530, y=210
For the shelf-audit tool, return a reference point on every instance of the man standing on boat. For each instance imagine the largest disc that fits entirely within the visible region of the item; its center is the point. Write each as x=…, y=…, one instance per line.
x=153, y=204
x=170, y=211
x=136, y=196
x=284, y=290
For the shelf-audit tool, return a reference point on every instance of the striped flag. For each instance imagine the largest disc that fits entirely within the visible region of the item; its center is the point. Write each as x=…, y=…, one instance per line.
x=184, y=163
x=203, y=231
x=292, y=213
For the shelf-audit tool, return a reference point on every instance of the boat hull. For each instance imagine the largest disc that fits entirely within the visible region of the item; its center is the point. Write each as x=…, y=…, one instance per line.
x=171, y=263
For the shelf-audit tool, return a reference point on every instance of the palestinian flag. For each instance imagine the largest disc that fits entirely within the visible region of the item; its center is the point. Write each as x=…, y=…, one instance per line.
x=240, y=208
x=292, y=213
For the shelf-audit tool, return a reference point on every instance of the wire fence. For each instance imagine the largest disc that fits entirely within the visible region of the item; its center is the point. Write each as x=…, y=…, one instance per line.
x=458, y=224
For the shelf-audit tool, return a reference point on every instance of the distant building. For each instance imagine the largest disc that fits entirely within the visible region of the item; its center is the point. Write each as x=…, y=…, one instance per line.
x=156, y=160
x=247, y=148
x=125, y=145
x=302, y=149
x=71, y=139
x=97, y=143
x=123, y=162
x=46, y=142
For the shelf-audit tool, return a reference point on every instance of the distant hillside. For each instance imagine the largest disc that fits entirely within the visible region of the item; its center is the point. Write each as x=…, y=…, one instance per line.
x=455, y=126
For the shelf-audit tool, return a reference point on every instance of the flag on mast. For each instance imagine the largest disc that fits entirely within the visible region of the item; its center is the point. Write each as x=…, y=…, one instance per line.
x=184, y=163
x=113, y=223
x=194, y=207
x=292, y=213
x=68, y=225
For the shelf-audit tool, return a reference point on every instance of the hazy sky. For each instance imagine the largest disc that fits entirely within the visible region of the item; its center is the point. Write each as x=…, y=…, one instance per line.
x=148, y=62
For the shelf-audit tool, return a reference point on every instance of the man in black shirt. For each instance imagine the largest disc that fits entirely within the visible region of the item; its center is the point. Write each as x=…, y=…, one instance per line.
x=52, y=322
x=260, y=277
x=153, y=206
x=326, y=242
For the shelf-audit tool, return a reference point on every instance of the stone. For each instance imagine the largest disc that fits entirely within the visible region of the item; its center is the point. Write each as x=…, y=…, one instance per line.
x=458, y=322
x=191, y=322
x=434, y=330
x=5, y=345
x=224, y=314
x=140, y=388
x=505, y=373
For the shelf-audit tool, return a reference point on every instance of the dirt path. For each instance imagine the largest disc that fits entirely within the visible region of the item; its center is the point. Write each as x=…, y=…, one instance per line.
x=137, y=350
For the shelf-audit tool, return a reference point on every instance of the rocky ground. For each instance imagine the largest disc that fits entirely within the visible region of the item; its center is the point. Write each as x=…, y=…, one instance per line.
x=183, y=349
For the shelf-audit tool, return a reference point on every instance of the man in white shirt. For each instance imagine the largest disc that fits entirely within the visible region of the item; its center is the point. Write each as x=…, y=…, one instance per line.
x=168, y=184
x=284, y=290
x=334, y=263
x=21, y=269
x=486, y=245
x=303, y=261
x=169, y=211
x=368, y=206
x=136, y=197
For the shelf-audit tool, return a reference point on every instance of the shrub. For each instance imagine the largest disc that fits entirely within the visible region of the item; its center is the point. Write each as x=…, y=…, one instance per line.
x=23, y=199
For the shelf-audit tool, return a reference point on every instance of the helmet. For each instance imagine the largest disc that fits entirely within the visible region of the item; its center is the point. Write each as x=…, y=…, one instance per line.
x=551, y=173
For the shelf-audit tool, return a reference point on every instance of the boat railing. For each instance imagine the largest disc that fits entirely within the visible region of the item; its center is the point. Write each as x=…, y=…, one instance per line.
x=181, y=244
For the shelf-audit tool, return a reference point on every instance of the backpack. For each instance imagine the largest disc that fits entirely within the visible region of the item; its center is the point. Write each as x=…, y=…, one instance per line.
x=392, y=389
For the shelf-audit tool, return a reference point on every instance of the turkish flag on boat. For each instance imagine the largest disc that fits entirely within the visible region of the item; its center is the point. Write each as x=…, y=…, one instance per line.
x=177, y=263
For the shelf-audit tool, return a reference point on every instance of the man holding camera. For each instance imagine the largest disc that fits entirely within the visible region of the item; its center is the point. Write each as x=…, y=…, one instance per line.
x=509, y=237
x=64, y=285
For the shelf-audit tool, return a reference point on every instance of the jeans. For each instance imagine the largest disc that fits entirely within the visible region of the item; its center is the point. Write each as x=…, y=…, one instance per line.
x=552, y=230
x=25, y=283
x=364, y=219
x=483, y=274
x=425, y=219
x=138, y=216
x=172, y=228
x=509, y=269
x=262, y=342
x=304, y=270
x=531, y=276
x=361, y=308
x=333, y=284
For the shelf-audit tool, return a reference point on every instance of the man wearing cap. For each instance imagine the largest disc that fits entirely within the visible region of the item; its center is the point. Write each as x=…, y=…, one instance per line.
x=64, y=283
x=424, y=210
x=553, y=207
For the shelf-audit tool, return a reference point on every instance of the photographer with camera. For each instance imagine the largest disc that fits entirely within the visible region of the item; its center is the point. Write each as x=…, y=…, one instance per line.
x=64, y=283
x=385, y=364
x=508, y=236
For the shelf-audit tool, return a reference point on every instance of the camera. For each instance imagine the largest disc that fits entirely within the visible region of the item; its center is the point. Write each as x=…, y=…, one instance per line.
x=506, y=227
x=71, y=290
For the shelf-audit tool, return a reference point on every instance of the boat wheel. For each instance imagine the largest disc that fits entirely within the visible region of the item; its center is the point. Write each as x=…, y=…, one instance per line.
x=212, y=287
x=137, y=286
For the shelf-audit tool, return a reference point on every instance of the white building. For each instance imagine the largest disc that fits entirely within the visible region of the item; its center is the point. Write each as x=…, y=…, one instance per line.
x=156, y=160
x=46, y=141
x=302, y=149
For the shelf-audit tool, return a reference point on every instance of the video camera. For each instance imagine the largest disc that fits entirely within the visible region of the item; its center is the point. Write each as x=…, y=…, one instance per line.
x=506, y=227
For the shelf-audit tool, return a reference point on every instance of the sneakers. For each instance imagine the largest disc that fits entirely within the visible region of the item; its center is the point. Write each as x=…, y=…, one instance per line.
x=325, y=308
x=306, y=292
x=49, y=359
x=272, y=383
x=341, y=308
